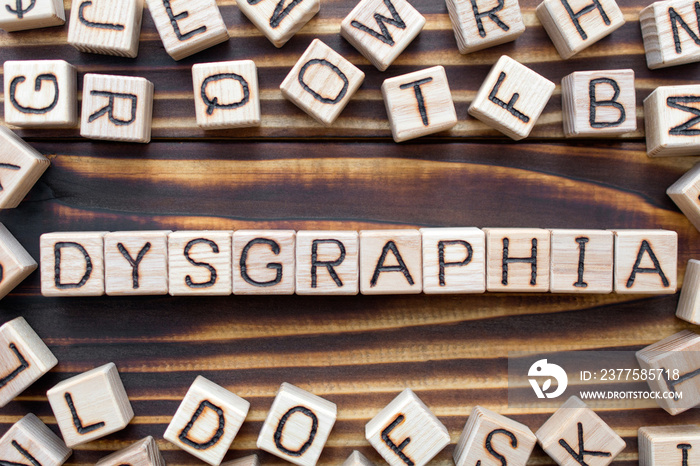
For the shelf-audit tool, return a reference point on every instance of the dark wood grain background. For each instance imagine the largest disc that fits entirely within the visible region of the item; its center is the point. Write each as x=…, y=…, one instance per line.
x=358, y=352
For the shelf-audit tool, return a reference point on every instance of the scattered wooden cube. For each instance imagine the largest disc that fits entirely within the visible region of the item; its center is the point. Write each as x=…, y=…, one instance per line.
x=278, y=24
x=419, y=103
x=686, y=194
x=599, y=103
x=207, y=421
x=136, y=263
x=21, y=166
x=199, y=263
x=250, y=460
x=572, y=31
x=576, y=435
x=381, y=29
x=517, y=259
x=90, y=405
x=30, y=441
x=511, y=98
x=117, y=108
x=489, y=437
x=297, y=426
x=24, y=358
x=689, y=302
x=581, y=261
x=454, y=260
x=391, y=262
x=264, y=262
x=665, y=43
x=407, y=432
x=72, y=263
x=357, y=459
x=328, y=263
x=676, y=363
x=21, y=15
x=670, y=118
x=194, y=26
x=322, y=82
x=15, y=262
x=110, y=28
x=646, y=261
x=226, y=94
x=145, y=452
x=477, y=27
x=668, y=445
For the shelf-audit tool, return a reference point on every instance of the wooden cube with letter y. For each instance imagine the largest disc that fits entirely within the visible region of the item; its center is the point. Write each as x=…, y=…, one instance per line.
x=672, y=121
x=72, y=263
x=390, y=262
x=145, y=452
x=136, y=263
x=661, y=445
x=30, y=441
x=110, y=27
x=279, y=21
x=646, y=261
x=481, y=24
x=670, y=33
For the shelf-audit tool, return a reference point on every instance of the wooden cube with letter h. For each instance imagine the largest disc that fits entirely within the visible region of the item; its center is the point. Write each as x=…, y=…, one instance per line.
x=264, y=262
x=21, y=166
x=479, y=24
x=328, y=263
x=145, y=452
x=136, y=263
x=110, y=27
x=671, y=118
x=646, y=261
x=686, y=194
x=199, y=263
x=454, y=260
x=660, y=445
x=72, y=263
x=517, y=259
x=30, y=441
x=277, y=23
x=391, y=262
x=670, y=33
x=20, y=15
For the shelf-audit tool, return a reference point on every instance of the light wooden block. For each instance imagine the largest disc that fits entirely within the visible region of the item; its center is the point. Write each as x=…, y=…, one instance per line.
x=357, y=459
x=264, y=262
x=576, y=435
x=576, y=25
x=145, y=452
x=381, y=29
x=279, y=21
x=41, y=93
x=20, y=15
x=199, y=263
x=250, y=460
x=686, y=194
x=646, y=261
x=581, y=261
x=511, y=98
x=419, y=103
x=30, y=441
x=136, y=263
x=328, y=263
x=481, y=24
x=391, y=262
x=670, y=33
x=489, y=438
x=454, y=260
x=72, y=263
x=599, y=103
x=207, y=421
x=689, y=303
x=677, y=445
x=322, y=82
x=676, y=363
x=15, y=262
x=21, y=166
x=187, y=27
x=116, y=108
x=110, y=27
x=90, y=405
x=670, y=121
x=24, y=358
x=226, y=94
x=407, y=432
x=517, y=259
x=298, y=425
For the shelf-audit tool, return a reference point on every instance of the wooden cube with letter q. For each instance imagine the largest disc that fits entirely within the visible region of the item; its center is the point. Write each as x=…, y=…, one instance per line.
x=670, y=33
x=672, y=121
x=646, y=261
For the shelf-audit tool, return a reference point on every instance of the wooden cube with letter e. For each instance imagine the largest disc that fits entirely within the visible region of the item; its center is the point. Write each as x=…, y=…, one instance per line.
x=145, y=452
x=646, y=261
x=264, y=262
x=277, y=20
x=72, y=263
x=110, y=27
x=15, y=262
x=670, y=32
x=479, y=24
x=328, y=263
x=390, y=262
x=671, y=121
x=517, y=259
x=20, y=15
x=21, y=166
x=660, y=445
x=199, y=263
x=30, y=441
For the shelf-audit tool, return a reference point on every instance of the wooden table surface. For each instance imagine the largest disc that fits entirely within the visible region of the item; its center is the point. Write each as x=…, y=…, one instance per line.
x=361, y=351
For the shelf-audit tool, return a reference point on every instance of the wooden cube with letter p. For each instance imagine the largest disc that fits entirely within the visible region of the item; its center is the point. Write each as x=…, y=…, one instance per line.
x=15, y=262
x=20, y=15
x=479, y=24
x=517, y=259
x=264, y=262
x=136, y=263
x=646, y=261
x=454, y=260
x=199, y=263
x=145, y=452
x=278, y=24
x=30, y=441
x=660, y=445
x=72, y=263
x=328, y=262
x=669, y=30
x=391, y=262
x=21, y=166
x=671, y=118
x=111, y=27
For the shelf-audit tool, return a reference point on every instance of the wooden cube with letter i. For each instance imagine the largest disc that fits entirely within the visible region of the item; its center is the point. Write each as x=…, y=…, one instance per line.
x=30, y=441
x=671, y=118
x=581, y=261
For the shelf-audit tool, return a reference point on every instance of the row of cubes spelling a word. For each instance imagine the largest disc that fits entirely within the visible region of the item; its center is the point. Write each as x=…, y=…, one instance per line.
x=431, y=260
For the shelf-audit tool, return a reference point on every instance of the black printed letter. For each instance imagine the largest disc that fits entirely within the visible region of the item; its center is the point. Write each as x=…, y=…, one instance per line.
x=57, y=265
x=398, y=449
x=581, y=259
x=214, y=438
x=273, y=265
x=315, y=263
x=316, y=95
x=109, y=108
x=676, y=20
x=491, y=14
x=280, y=429
x=212, y=270
x=134, y=263
x=213, y=104
x=685, y=129
x=594, y=104
x=582, y=452
x=382, y=21
x=92, y=24
x=645, y=247
x=586, y=9
x=174, y=18
x=23, y=364
x=37, y=87
x=441, y=257
x=390, y=246
x=419, y=97
x=532, y=260
x=510, y=106
x=76, y=419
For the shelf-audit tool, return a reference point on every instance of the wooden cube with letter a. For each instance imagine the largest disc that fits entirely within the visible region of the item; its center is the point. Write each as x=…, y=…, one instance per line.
x=581, y=261
x=660, y=445
x=111, y=27
x=454, y=260
x=145, y=452
x=517, y=259
x=646, y=261
x=15, y=262
x=671, y=121
x=481, y=24
x=407, y=432
x=264, y=262
x=298, y=425
x=21, y=166
x=136, y=263
x=670, y=33
x=207, y=421
x=199, y=263
x=511, y=98
x=328, y=262
x=72, y=263
x=20, y=15
x=689, y=302
x=391, y=262
x=279, y=22
x=30, y=441
x=686, y=194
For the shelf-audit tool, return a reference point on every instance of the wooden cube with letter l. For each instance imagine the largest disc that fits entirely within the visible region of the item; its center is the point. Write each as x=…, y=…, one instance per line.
x=145, y=452
x=660, y=445
x=646, y=261
x=279, y=21
x=517, y=259
x=72, y=263
x=390, y=262
x=454, y=260
x=21, y=166
x=136, y=263
x=481, y=24
x=20, y=15
x=108, y=27
x=199, y=263
x=670, y=32
x=672, y=121
x=328, y=263
x=264, y=262
x=30, y=441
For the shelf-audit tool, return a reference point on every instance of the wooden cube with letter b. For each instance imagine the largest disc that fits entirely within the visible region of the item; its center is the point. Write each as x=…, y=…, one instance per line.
x=15, y=262
x=199, y=263
x=277, y=23
x=21, y=166
x=111, y=27
x=661, y=445
x=72, y=263
x=136, y=263
x=391, y=262
x=671, y=118
x=481, y=24
x=454, y=260
x=670, y=33
x=581, y=261
x=30, y=441
x=264, y=262
x=646, y=261
x=517, y=259
x=20, y=15
x=145, y=452
x=328, y=262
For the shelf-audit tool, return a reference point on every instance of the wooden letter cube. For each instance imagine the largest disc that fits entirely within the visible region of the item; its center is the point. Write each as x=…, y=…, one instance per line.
x=110, y=27
x=419, y=103
x=646, y=261
x=250, y=460
x=454, y=260
x=41, y=93
x=599, y=103
x=226, y=94
x=207, y=421
x=481, y=24
x=27, y=14
x=199, y=263
x=381, y=29
x=187, y=27
x=663, y=445
x=407, y=432
x=15, y=262
x=689, y=302
x=24, y=358
x=670, y=121
x=322, y=82
x=517, y=259
x=488, y=436
x=136, y=263
x=116, y=108
x=391, y=262
x=297, y=426
x=328, y=263
x=90, y=405
x=72, y=263
x=357, y=459
x=676, y=363
x=30, y=441
x=142, y=453
x=511, y=98
x=670, y=33
x=21, y=166
x=686, y=194
x=581, y=261
x=575, y=434
x=278, y=24
x=264, y=262
x=574, y=25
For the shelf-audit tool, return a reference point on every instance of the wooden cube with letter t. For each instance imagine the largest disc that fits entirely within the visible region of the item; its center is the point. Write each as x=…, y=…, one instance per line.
x=136, y=263
x=264, y=262
x=72, y=263
x=661, y=445
x=30, y=441
x=15, y=262
x=646, y=261
x=20, y=15
x=390, y=262
x=454, y=260
x=111, y=27
x=670, y=32
x=327, y=263
x=279, y=20
x=145, y=452
x=479, y=24
x=199, y=263
x=517, y=259
x=672, y=121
